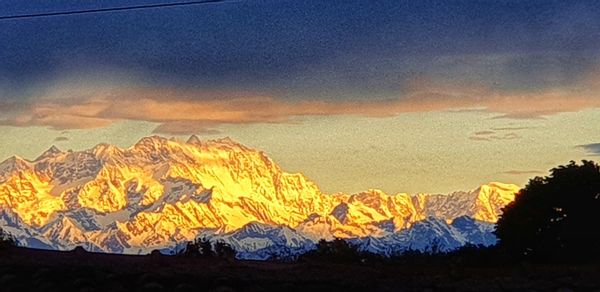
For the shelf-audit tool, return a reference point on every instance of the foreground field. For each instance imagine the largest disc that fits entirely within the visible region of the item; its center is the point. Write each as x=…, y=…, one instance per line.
x=24, y=270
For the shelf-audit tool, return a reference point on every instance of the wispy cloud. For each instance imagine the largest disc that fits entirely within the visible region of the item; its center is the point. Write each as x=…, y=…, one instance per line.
x=491, y=135
x=479, y=138
x=591, y=149
x=483, y=133
x=510, y=128
x=61, y=139
x=522, y=172
x=186, y=127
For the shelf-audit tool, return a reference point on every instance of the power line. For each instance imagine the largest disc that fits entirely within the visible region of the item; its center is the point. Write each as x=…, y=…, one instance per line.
x=110, y=9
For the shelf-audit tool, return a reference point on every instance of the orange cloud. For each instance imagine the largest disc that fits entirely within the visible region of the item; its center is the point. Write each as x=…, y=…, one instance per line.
x=185, y=112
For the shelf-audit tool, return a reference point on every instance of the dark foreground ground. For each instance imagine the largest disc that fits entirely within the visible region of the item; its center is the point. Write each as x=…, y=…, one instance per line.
x=37, y=270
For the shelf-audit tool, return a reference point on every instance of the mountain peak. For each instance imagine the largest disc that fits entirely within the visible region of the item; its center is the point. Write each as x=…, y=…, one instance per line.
x=227, y=140
x=53, y=149
x=501, y=186
x=158, y=191
x=151, y=142
x=194, y=140
x=16, y=158
x=152, y=139
x=51, y=152
x=105, y=150
x=13, y=163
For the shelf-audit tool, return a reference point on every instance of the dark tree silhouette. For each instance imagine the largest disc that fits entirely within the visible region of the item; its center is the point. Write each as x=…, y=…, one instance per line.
x=199, y=247
x=335, y=250
x=192, y=249
x=205, y=247
x=224, y=250
x=555, y=217
x=6, y=239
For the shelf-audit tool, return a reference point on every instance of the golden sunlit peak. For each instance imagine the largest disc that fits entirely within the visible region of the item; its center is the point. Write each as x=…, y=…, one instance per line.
x=160, y=188
x=228, y=141
x=503, y=186
x=151, y=140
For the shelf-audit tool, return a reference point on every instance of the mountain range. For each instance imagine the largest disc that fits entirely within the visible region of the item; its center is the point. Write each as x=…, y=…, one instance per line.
x=162, y=192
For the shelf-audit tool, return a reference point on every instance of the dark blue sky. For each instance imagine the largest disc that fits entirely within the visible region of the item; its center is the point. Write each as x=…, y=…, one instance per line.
x=316, y=49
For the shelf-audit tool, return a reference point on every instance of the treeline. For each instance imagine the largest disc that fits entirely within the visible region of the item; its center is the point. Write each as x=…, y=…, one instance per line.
x=205, y=248
x=341, y=251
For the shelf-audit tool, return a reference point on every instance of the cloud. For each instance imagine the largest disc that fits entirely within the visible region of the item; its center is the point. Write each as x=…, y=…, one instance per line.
x=488, y=136
x=478, y=138
x=483, y=133
x=515, y=104
x=522, y=172
x=9, y=105
x=508, y=136
x=69, y=106
x=491, y=134
x=591, y=149
x=510, y=128
x=184, y=128
x=61, y=139
x=524, y=116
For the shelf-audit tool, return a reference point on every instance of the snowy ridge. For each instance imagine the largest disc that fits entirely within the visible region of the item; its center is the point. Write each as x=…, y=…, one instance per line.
x=161, y=192
x=258, y=241
x=431, y=235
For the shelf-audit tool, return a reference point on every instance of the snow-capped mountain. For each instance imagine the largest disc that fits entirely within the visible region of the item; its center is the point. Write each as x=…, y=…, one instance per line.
x=431, y=235
x=160, y=192
x=260, y=241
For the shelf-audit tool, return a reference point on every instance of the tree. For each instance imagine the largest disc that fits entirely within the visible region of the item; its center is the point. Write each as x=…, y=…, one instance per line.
x=335, y=250
x=6, y=239
x=555, y=217
x=224, y=250
x=192, y=249
x=199, y=247
x=205, y=247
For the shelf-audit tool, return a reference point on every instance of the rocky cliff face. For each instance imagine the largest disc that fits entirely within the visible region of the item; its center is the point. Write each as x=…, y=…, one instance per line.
x=159, y=192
